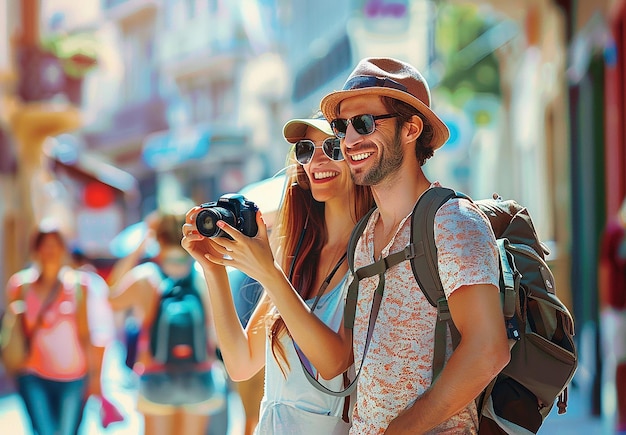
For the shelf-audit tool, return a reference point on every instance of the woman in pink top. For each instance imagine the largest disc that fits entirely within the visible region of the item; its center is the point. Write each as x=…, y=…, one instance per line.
x=62, y=368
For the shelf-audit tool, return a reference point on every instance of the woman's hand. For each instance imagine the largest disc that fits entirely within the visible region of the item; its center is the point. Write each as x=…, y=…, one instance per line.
x=196, y=244
x=251, y=255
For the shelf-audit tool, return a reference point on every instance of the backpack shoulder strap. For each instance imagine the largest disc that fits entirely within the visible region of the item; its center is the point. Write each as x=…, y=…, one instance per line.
x=355, y=235
x=170, y=286
x=425, y=267
x=377, y=268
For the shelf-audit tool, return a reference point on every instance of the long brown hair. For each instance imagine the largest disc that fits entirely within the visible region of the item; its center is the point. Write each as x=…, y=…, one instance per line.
x=300, y=231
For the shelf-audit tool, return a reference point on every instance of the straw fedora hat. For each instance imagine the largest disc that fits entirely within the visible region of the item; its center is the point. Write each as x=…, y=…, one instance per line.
x=393, y=78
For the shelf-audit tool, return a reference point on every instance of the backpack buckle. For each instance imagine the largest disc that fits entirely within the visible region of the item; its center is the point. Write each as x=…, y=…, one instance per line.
x=443, y=311
x=409, y=251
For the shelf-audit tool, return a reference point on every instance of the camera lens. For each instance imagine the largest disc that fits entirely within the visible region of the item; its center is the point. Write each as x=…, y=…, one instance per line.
x=207, y=219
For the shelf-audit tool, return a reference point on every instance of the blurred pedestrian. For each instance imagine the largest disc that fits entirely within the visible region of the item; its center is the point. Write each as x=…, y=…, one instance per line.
x=135, y=245
x=101, y=322
x=180, y=383
x=304, y=275
x=612, y=289
x=63, y=366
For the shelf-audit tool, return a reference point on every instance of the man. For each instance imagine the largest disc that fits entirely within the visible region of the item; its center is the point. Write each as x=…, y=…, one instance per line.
x=387, y=132
x=612, y=286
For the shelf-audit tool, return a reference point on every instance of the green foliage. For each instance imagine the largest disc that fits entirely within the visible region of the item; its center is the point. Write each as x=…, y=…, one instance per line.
x=466, y=40
x=77, y=52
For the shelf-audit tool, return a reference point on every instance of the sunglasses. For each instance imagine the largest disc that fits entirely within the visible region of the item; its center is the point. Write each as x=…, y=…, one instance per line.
x=305, y=148
x=363, y=124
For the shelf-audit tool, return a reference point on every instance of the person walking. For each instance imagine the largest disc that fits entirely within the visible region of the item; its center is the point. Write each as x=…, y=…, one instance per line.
x=612, y=286
x=180, y=397
x=388, y=131
x=63, y=366
x=304, y=274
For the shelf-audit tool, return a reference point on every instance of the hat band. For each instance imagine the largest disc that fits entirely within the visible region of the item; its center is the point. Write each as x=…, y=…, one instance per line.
x=360, y=82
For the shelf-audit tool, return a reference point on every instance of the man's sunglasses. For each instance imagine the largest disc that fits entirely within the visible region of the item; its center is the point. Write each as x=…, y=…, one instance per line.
x=363, y=124
x=305, y=148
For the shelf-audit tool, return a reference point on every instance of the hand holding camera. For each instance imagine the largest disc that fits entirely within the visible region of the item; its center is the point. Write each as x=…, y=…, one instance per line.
x=232, y=208
x=214, y=244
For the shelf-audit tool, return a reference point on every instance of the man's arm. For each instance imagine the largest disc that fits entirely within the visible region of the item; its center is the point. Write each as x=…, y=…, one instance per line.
x=481, y=354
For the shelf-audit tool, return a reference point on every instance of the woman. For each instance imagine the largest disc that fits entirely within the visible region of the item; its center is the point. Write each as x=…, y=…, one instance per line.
x=306, y=276
x=175, y=396
x=62, y=367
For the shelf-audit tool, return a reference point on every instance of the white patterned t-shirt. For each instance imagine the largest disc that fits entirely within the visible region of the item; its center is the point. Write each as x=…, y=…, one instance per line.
x=398, y=365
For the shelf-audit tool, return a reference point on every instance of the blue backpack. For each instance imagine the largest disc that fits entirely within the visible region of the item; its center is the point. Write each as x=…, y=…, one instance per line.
x=179, y=334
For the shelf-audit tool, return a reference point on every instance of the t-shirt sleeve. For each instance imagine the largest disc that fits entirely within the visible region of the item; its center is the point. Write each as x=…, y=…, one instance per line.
x=16, y=281
x=12, y=288
x=466, y=246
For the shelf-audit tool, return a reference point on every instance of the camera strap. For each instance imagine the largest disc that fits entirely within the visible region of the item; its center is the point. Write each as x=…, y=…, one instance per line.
x=307, y=367
x=327, y=280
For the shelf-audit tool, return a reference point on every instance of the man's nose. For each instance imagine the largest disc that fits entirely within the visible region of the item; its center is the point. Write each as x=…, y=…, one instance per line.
x=352, y=137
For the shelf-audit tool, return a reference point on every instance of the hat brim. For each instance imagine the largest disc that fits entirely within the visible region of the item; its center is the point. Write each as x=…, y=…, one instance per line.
x=331, y=101
x=295, y=129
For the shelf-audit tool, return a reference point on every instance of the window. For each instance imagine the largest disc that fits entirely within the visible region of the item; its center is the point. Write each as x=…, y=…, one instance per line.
x=318, y=73
x=138, y=55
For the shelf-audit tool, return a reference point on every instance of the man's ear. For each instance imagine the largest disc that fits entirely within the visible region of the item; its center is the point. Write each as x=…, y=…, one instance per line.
x=414, y=127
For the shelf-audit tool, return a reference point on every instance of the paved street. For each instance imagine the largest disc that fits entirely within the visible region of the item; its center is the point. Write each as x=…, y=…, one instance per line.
x=122, y=391
x=577, y=420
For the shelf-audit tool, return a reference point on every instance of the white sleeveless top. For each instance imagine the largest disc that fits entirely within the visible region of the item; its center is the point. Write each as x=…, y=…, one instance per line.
x=292, y=405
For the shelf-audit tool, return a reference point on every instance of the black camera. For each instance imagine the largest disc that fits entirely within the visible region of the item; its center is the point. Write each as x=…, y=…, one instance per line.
x=231, y=208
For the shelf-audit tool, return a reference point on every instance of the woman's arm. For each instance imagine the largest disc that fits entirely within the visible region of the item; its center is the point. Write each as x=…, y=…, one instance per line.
x=133, y=289
x=243, y=353
x=93, y=354
x=125, y=264
x=329, y=351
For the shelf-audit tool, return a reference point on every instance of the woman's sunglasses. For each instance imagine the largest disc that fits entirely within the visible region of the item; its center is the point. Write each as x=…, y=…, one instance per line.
x=305, y=148
x=363, y=124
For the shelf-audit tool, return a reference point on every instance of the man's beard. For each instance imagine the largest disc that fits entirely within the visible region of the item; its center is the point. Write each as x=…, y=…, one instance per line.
x=390, y=160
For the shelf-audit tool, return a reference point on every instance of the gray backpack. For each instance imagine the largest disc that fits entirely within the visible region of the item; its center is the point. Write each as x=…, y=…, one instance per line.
x=543, y=358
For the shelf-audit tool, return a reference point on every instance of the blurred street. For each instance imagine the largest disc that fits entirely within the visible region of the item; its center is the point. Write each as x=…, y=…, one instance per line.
x=111, y=110
x=577, y=420
x=121, y=389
